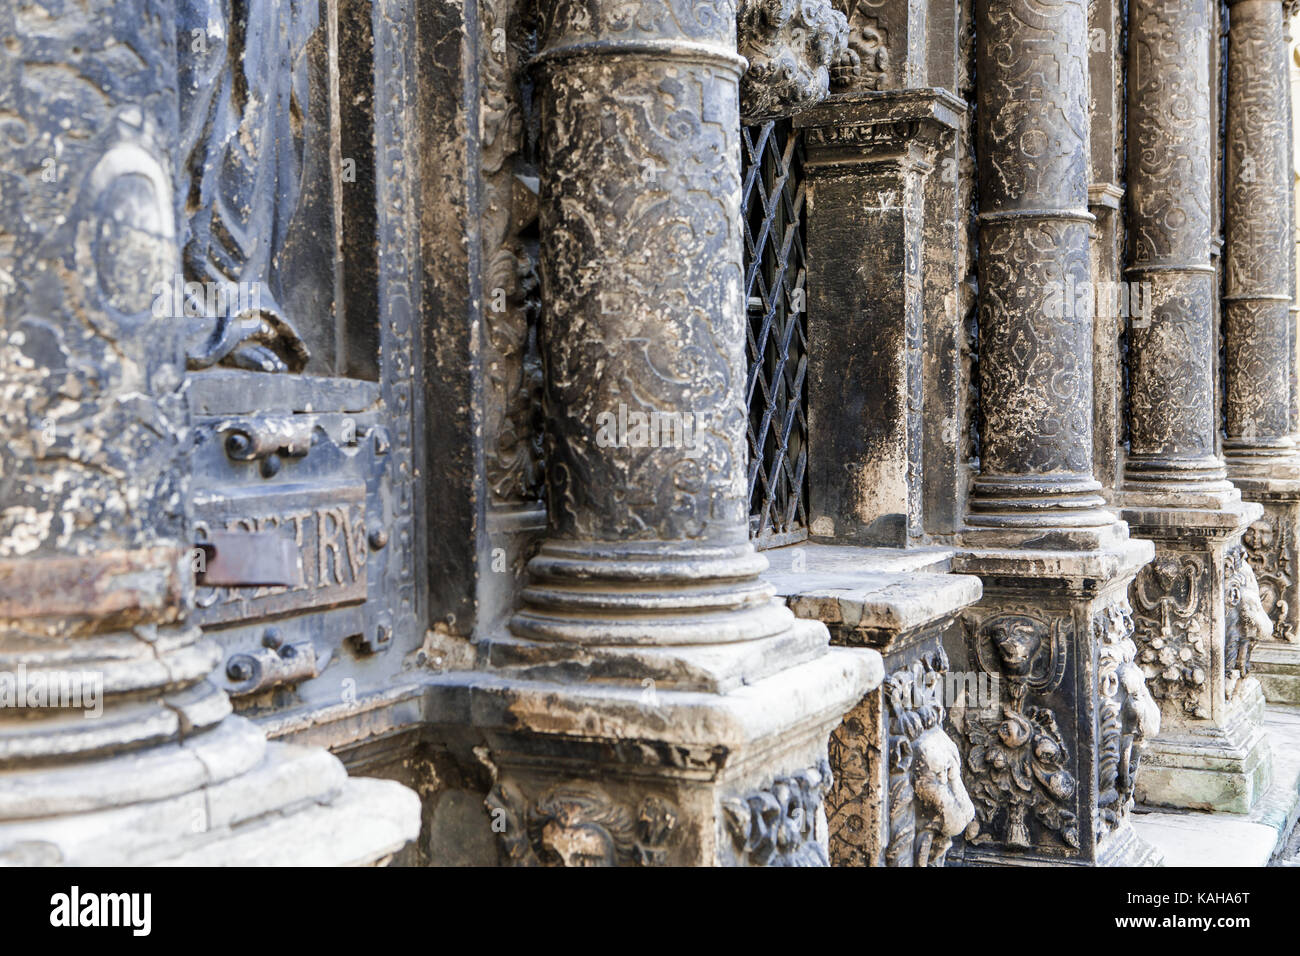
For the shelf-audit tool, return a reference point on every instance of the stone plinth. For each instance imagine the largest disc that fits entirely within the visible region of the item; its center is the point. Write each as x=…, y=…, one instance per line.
x=898, y=797
x=869, y=161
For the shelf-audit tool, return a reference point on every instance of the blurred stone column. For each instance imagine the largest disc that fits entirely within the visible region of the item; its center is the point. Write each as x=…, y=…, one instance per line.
x=1211, y=753
x=1259, y=325
x=115, y=747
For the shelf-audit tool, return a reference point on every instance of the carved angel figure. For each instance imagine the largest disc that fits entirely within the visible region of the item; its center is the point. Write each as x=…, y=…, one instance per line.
x=943, y=807
x=1129, y=715
x=1245, y=619
x=243, y=94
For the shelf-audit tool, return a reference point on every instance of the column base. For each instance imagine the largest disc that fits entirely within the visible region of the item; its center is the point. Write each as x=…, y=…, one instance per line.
x=611, y=774
x=1277, y=668
x=295, y=806
x=1051, y=768
x=1225, y=768
x=1124, y=847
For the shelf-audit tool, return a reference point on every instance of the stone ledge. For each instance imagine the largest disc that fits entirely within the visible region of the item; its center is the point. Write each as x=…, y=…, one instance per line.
x=874, y=589
x=1194, y=838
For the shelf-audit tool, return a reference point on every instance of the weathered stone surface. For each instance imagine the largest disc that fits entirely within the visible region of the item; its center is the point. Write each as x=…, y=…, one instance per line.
x=870, y=157
x=790, y=46
x=95, y=432
x=897, y=798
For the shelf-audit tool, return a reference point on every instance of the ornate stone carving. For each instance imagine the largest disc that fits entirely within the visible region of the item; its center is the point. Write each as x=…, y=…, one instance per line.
x=790, y=46
x=243, y=79
x=511, y=285
x=1169, y=597
x=579, y=827
x=1017, y=768
x=865, y=62
x=783, y=824
x=1017, y=762
x=1171, y=356
x=1245, y=622
x=641, y=169
x=1270, y=547
x=1258, y=241
x=1035, y=363
x=1127, y=715
x=928, y=804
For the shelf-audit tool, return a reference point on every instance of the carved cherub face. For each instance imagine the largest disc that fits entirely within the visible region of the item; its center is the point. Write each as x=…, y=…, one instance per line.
x=578, y=844
x=936, y=779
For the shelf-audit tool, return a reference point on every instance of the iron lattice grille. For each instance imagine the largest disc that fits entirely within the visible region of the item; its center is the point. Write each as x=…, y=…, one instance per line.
x=777, y=329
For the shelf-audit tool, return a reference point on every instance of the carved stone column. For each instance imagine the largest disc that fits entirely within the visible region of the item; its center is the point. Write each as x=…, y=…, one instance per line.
x=1211, y=753
x=1259, y=323
x=1055, y=563
x=654, y=702
x=114, y=745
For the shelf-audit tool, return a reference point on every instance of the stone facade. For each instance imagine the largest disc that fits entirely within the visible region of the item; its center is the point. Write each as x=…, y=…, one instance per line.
x=573, y=432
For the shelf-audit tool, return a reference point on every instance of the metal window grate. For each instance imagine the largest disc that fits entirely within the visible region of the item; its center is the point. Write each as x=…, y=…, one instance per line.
x=775, y=387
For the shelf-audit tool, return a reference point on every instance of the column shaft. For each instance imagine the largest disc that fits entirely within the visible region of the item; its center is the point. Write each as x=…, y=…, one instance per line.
x=1035, y=347
x=1171, y=351
x=1258, y=242
x=643, y=338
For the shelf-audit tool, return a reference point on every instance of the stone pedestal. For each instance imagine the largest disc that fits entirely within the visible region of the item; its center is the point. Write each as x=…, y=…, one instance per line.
x=898, y=797
x=1209, y=754
x=653, y=702
x=114, y=745
x=1260, y=445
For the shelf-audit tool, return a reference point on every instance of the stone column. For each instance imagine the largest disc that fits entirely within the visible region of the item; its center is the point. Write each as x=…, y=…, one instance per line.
x=1259, y=325
x=643, y=338
x=1211, y=753
x=1054, y=562
x=116, y=748
x=654, y=702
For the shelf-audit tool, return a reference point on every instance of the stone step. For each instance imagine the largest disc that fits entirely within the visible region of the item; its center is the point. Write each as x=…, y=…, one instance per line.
x=297, y=807
x=1196, y=838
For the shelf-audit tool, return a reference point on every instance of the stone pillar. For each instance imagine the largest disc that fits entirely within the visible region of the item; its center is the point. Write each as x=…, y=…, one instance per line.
x=643, y=338
x=869, y=161
x=116, y=748
x=654, y=702
x=1211, y=753
x=1259, y=325
x=1054, y=562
